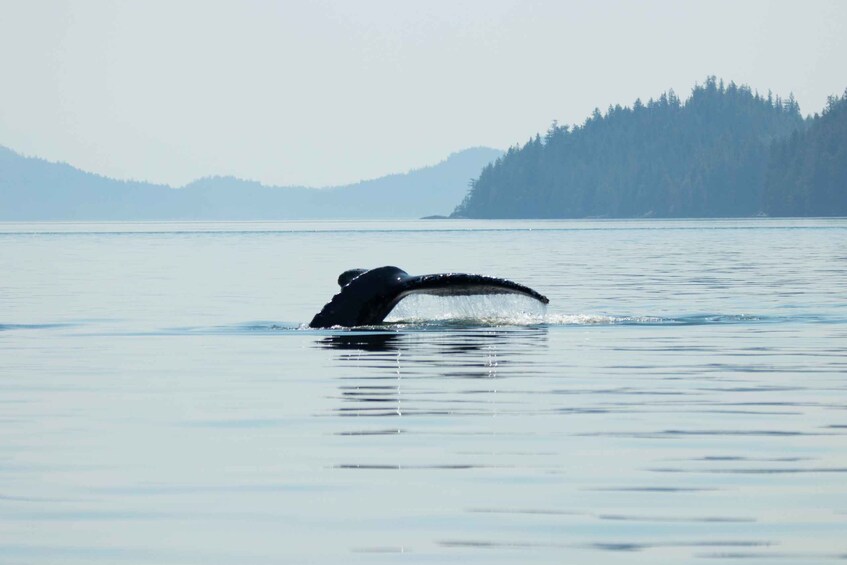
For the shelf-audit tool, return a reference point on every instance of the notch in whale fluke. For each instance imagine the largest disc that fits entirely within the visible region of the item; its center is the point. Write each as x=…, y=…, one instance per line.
x=367, y=296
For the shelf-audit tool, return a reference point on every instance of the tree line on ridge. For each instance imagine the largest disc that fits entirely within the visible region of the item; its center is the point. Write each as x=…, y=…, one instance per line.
x=725, y=151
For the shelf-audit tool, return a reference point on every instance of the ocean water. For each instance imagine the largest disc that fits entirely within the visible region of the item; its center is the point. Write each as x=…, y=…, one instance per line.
x=682, y=399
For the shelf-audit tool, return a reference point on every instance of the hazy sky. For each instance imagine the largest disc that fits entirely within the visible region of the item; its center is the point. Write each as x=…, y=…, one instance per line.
x=328, y=92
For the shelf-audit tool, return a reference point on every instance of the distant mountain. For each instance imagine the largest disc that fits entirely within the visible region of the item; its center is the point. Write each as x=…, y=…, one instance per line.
x=705, y=157
x=35, y=189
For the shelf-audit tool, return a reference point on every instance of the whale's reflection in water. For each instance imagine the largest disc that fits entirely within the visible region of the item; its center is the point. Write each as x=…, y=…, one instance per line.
x=427, y=372
x=448, y=341
x=377, y=341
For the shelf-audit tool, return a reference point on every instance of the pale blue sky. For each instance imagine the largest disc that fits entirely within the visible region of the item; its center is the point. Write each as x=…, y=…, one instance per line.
x=329, y=92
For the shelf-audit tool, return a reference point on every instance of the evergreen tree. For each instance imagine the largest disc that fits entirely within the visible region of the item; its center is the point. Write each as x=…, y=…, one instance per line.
x=807, y=172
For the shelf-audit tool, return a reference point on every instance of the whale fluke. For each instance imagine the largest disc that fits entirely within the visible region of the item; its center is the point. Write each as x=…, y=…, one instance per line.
x=367, y=296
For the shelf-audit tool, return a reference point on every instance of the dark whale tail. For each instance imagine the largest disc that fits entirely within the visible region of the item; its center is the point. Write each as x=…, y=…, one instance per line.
x=367, y=296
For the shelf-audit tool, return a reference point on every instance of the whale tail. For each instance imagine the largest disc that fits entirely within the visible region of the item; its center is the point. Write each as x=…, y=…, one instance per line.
x=367, y=296
x=462, y=284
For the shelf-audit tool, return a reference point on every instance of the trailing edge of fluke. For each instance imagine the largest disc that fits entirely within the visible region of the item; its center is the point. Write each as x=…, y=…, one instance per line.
x=367, y=296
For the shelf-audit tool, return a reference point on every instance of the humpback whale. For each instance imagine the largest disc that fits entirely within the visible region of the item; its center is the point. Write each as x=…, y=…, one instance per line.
x=368, y=295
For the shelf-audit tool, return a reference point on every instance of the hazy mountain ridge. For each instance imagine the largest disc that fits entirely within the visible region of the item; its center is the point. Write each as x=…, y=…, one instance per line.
x=35, y=189
x=712, y=155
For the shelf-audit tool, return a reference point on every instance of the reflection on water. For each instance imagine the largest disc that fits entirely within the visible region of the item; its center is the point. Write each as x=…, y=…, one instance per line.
x=363, y=341
x=401, y=362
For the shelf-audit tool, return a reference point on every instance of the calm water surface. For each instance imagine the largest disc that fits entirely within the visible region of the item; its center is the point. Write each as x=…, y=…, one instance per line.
x=683, y=398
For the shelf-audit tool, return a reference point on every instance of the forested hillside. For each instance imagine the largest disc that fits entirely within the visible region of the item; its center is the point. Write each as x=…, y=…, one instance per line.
x=807, y=175
x=704, y=157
